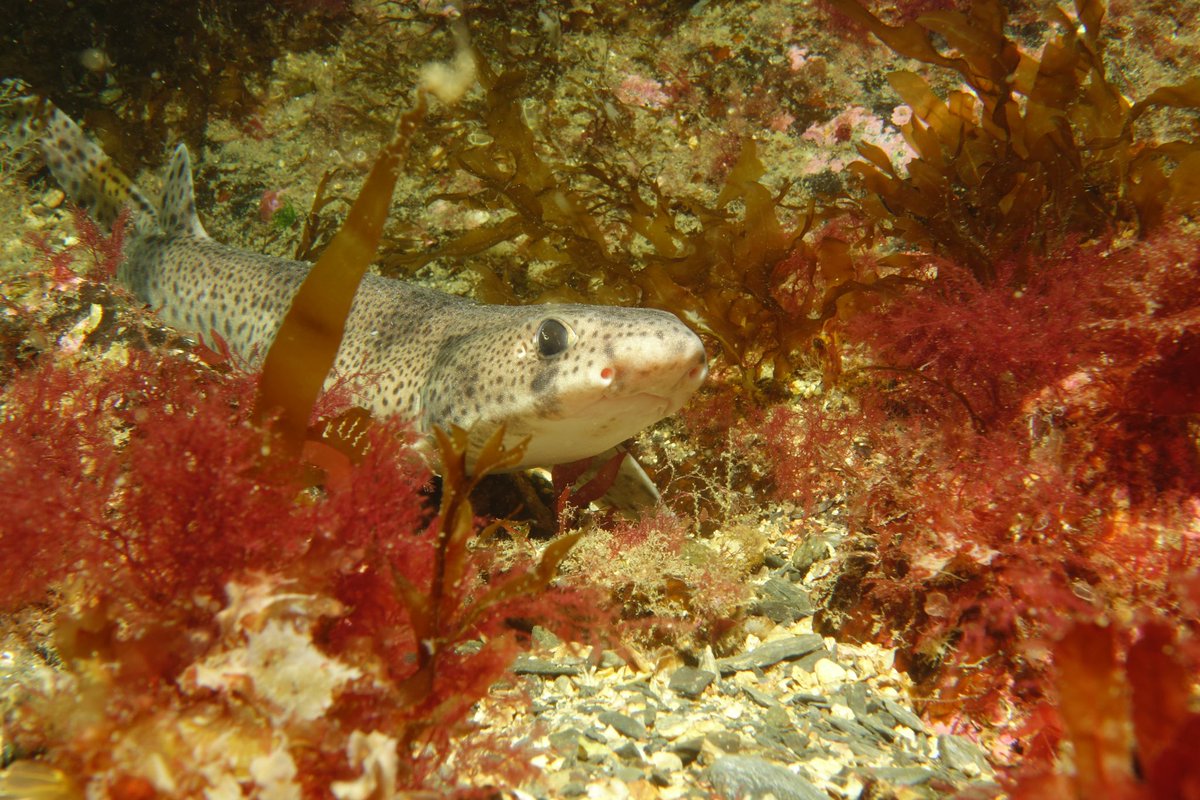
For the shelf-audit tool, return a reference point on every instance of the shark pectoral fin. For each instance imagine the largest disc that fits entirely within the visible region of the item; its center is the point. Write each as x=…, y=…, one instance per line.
x=631, y=492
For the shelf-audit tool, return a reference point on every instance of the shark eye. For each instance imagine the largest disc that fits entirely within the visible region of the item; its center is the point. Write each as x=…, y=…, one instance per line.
x=553, y=337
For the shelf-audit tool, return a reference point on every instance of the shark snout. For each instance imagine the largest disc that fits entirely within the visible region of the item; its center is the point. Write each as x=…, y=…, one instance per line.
x=673, y=375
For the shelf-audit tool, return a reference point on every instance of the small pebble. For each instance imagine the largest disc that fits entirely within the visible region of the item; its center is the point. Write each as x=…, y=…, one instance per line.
x=623, y=724
x=807, y=662
x=628, y=751
x=671, y=726
x=566, y=742
x=839, y=711
x=94, y=59
x=690, y=682
x=665, y=761
x=727, y=741
x=688, y=749
x=829, y=673
x=52, y=198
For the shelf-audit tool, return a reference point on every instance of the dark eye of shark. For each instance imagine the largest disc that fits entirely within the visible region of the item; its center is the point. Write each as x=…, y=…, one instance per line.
x=553, y=337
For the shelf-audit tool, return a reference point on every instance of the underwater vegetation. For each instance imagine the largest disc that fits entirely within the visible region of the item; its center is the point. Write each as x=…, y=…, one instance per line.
x=1034, y=151
x=733, y=268
x=199, y=582
x=195, y=579
x=1018, y=454
x=200, y=587
x=139, y=73
x=1007, y=329
x=1020, y=459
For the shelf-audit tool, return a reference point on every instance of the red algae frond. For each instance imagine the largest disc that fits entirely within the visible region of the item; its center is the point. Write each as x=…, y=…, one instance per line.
x=189, y=574
x=997, y=468
x=105, y=251
x=1020, y=462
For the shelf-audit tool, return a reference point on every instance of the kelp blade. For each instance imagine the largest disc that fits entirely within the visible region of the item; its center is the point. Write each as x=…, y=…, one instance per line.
x=306, y=346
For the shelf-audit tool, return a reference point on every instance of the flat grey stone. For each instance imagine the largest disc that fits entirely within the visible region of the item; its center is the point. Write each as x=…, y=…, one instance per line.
x=688, y=749
x=808, y=663
x=856, y=698
x=545, y=638
x=565, y=743
x=903, y=776
x=850, y=728
x=760, y=698
x=610, y=659
x=628, y=751
x=771, y=730
x=627, y=775
x=640, y=687
x=624, y=724
x=905, y=717
x=772, y=653
x=773, y=559
x=728, y=741
x=528, y=665
x=813, y=549
x=796, y=742
x=871, y=723
x=777, y=717
x=782, y=601
x=649, y=717
x=690, y=682
x=861, y=747
x=962, y=755
x=747, y=777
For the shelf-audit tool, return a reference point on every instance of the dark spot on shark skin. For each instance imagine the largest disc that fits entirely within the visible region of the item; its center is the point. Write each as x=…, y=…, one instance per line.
x=544, y=380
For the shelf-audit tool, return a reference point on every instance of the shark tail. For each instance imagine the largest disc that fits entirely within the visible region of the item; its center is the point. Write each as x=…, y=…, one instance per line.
x=83, y=170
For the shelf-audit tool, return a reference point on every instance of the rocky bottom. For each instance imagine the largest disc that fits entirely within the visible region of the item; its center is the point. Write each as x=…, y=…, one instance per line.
x=794, y=716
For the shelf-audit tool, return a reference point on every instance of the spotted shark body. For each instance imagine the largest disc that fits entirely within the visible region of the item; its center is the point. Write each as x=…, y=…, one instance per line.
x=575, y=379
